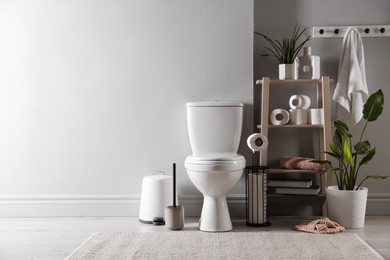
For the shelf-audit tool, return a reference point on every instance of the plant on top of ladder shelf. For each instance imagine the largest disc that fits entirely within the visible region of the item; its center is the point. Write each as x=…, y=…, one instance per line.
x=286, y=50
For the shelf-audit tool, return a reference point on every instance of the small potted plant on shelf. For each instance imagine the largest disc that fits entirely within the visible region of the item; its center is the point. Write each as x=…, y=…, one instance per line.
x=286, y=51
x=347, y=201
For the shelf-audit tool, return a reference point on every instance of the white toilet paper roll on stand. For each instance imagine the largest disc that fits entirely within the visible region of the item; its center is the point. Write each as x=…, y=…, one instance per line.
x=257, y=142
x=279, y=117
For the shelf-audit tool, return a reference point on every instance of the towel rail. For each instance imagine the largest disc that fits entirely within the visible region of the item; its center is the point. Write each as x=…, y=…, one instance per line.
x=339, y=31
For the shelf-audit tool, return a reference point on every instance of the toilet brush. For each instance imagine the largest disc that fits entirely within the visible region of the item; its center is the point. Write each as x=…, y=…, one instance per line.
x=174, y=215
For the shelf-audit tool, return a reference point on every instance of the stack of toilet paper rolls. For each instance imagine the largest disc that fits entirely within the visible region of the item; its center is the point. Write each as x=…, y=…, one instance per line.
x=299, y=114
x=299, y=105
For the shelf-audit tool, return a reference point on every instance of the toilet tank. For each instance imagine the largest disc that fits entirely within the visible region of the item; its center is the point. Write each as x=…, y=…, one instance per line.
x=214, y=127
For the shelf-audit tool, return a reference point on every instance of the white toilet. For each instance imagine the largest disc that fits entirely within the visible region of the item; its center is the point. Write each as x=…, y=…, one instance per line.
x=214, y=129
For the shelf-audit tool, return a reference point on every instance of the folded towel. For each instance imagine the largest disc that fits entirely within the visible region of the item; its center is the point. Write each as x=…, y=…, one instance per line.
x=351, y=89
x=321, y=226
x=300, y=163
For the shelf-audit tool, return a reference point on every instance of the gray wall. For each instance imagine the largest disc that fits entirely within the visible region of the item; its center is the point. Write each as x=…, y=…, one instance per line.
x=276, y=19
x=93, y=94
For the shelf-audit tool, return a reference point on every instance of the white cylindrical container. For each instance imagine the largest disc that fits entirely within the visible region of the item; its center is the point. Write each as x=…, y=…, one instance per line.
x=156, y=195
x=347, y=207
x=286, y=71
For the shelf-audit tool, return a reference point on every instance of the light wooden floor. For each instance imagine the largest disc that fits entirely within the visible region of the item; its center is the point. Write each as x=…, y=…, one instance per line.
x=55, y=238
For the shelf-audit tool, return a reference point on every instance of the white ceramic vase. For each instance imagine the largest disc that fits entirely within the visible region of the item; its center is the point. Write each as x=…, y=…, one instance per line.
x=347, y=207
x=286, y=71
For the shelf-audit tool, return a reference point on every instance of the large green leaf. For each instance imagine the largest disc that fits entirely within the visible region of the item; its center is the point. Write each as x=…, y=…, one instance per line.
x=362, y=147
x=368, y=157
x=336, y=156
x=347, y=154
x=342, y=128
x=337, y=138
x=377, y=177
x=374, y=106
x=337, y=151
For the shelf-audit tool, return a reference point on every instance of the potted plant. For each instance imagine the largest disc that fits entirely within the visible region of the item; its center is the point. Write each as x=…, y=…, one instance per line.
x=347, y=201
x=286, y=51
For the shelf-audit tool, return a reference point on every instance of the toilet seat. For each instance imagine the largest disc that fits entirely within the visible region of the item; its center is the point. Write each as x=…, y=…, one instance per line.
x=215, y=162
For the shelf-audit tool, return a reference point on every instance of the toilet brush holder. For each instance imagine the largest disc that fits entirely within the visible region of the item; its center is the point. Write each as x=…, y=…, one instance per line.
x=174, y=217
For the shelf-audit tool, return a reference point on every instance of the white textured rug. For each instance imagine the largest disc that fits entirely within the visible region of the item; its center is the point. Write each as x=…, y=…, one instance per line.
x=232, y=245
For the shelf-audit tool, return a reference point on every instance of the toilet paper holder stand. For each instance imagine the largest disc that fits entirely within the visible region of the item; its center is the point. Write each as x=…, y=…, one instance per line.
x=256, y=196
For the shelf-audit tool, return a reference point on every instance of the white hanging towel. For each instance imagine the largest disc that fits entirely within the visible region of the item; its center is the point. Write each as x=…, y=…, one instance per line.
x=351, y=91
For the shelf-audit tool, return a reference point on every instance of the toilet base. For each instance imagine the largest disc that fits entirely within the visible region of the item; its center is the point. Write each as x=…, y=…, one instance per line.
x=215, y=215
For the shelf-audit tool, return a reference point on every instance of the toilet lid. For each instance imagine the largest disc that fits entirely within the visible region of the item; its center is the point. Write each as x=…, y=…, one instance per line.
x=212, y=158
x=214, y=104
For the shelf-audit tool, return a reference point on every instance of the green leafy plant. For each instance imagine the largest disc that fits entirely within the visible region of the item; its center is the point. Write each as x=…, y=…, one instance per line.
x=286, y=51
x=351, y=157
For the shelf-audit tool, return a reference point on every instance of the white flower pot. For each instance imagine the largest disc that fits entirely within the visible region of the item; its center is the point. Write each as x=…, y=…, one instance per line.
x=286, y=71
x=347, y=207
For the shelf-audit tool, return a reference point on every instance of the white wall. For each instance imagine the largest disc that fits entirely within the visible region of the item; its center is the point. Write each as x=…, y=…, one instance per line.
x=93, y=93
x=276, y=22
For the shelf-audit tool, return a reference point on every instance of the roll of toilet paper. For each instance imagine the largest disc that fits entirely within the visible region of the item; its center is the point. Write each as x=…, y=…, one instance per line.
x=257, y=142
x=279, y=117
x=299, y=116
x=295, y=101
x=306, y=102
x=316, y=116
x=299, y=102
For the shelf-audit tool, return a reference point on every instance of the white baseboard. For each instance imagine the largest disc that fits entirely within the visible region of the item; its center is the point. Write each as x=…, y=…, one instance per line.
x=128, y=205
x=69, y=205
x=378, y=204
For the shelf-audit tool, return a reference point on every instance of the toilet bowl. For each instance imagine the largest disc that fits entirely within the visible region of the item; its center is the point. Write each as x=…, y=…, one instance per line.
x=214, y=179
x=214, y=167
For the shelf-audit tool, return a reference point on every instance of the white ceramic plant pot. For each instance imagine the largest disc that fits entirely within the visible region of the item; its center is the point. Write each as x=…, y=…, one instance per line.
x=286, y=71
x=347, y=207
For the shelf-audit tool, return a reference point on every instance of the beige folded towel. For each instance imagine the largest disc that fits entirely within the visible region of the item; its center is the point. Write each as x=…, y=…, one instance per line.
x=300, y=163
x=321, y=226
